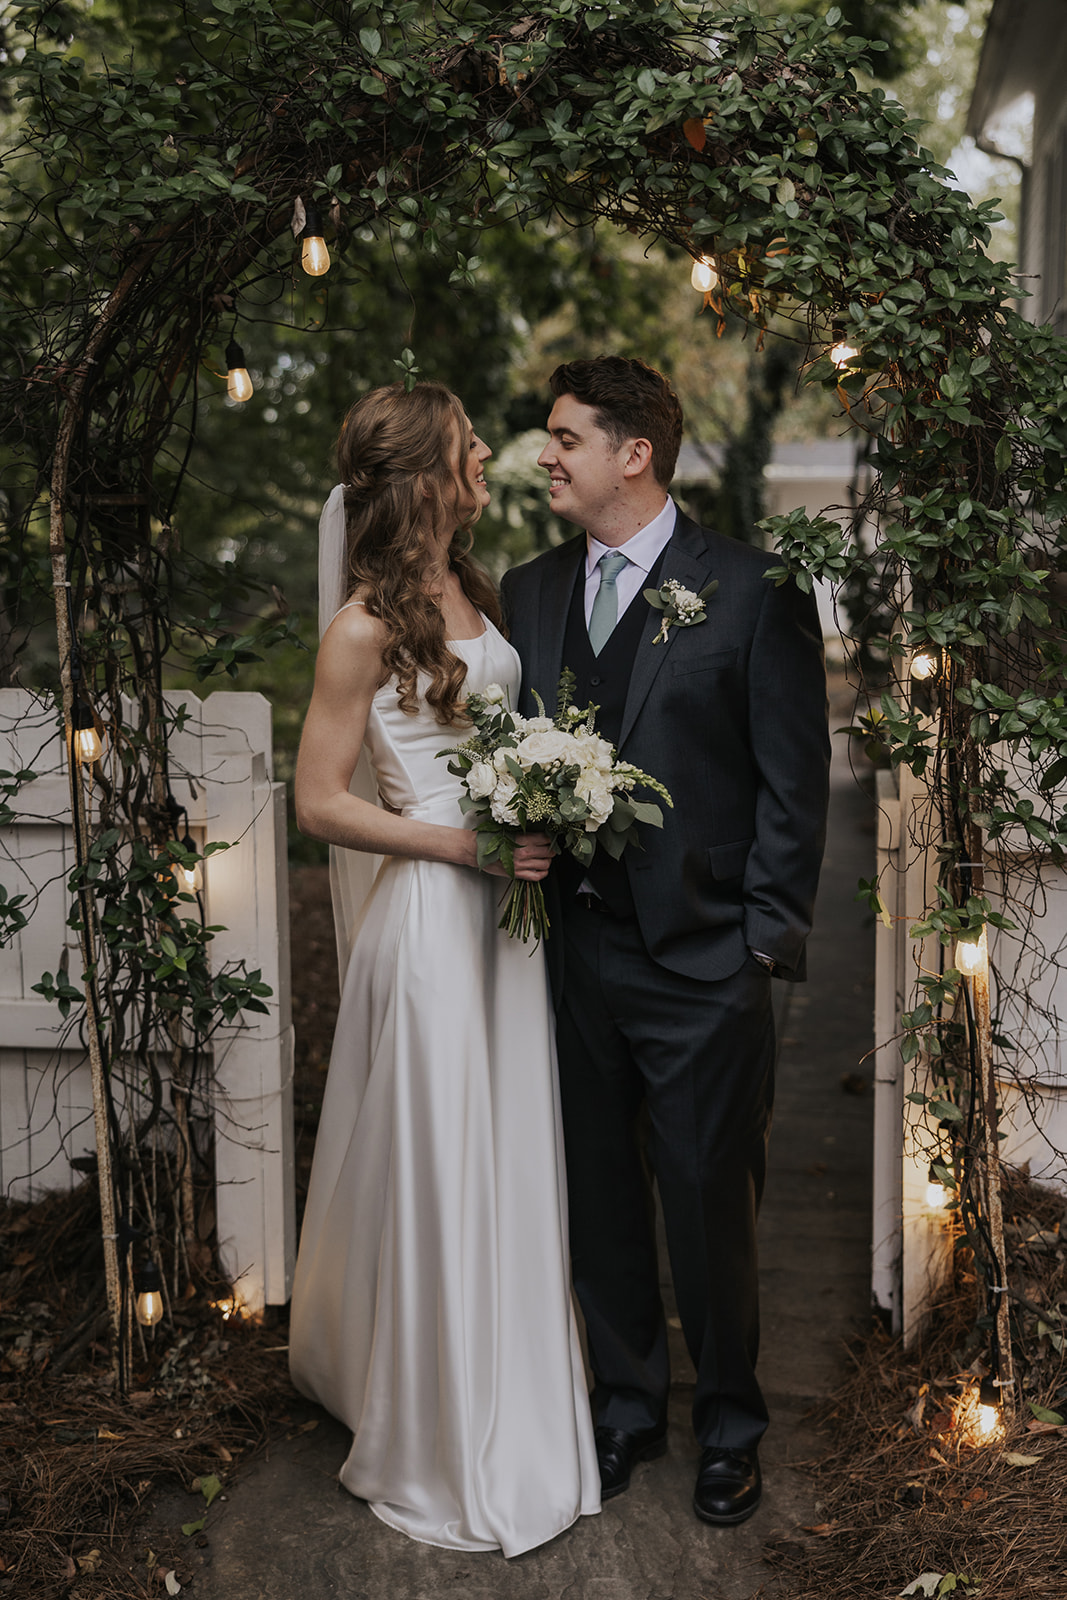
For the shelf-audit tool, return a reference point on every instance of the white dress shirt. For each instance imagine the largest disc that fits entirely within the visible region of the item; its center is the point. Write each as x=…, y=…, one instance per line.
x=641, y=551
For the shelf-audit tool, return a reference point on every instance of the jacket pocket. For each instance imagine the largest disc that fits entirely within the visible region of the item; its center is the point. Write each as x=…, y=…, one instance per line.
x=718, y=661
x=728, y=860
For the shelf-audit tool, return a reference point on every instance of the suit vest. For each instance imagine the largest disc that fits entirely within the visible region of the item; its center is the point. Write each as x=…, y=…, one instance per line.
x=604, y=681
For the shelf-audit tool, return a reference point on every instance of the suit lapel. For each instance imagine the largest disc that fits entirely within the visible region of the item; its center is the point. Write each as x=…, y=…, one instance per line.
x=557, y=587
x=687, y=559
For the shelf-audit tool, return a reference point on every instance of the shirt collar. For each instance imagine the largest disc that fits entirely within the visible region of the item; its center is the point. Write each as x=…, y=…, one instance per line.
x=643, y=547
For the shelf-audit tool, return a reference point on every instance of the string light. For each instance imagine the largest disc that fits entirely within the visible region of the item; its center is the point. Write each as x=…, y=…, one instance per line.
x=314, y=256
x=703, y=277
x=85, y=736
x=936, y=1193
x=149, y=1288
x=842, y=353
x=923, y=665
x=238, y=383
x=190, y=879
x=972, y=956
x=988, y=1419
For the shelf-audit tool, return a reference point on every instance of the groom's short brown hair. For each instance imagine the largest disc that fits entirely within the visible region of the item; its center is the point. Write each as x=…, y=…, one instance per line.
x=632, y=401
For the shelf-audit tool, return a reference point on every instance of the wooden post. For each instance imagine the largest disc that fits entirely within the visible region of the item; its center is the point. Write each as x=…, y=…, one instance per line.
x=991, y=1164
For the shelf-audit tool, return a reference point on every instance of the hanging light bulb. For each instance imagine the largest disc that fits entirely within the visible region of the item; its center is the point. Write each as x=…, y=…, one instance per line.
x=86, y=741
x=842, y=353
x=314, y=256
x=703, y=277
x=936, y=1193
x=972, y=955
x=988, y=1420
x=923, y=665
x=149, y=1287
x=190, y=879
x=238, y=383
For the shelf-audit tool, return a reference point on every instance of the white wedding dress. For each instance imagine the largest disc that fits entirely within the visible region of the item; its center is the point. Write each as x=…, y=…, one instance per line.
x=432, y=1309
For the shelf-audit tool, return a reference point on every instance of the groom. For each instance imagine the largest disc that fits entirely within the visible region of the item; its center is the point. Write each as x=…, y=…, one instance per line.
x=665, y=1030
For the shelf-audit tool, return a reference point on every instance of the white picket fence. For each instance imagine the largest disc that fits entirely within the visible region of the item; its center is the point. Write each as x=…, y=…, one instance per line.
x=912, y=1240
x=221, y=772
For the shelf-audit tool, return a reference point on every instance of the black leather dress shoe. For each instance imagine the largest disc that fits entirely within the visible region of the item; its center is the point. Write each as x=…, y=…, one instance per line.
x=728, y=1486
x=618, y=1453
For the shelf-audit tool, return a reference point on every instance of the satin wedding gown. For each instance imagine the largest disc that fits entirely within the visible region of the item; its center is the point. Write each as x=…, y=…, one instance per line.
x=431, y=1308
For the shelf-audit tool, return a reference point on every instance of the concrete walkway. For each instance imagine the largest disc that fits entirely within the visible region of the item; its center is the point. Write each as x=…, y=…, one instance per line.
x=287, y=1531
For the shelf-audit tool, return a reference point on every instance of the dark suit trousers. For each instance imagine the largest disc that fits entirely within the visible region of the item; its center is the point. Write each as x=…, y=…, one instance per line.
x=665, y=1070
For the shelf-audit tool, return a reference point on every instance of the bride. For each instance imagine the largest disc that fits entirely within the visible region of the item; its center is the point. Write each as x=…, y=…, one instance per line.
x=431, y=1307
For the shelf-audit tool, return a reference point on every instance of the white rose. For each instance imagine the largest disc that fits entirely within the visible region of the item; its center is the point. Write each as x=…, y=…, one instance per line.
x=503, y=794
x=543, y=749
x=597, y=795
x=494, y=695
x=538, y=724
x=480, y=780
x=500, y=761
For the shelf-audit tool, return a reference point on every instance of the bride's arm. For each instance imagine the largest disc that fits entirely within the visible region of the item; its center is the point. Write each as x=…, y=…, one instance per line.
x=347, y=674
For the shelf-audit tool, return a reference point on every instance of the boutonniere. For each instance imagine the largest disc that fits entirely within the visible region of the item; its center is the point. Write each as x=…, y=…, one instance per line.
x=680, y=606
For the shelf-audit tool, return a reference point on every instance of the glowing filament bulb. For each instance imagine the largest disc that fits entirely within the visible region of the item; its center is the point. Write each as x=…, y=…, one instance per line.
x=842, y=353
x=86, y=742
x=149, y=1295
x=314, y=256
x=188, y=876
x=972, y=955
x=238, y=383
x=703, y=276
x=988, y=1418
x=923, y=665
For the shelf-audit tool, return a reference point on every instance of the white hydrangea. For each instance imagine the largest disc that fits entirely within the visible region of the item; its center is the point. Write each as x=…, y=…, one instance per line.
x=501, y=804
x=593, y=751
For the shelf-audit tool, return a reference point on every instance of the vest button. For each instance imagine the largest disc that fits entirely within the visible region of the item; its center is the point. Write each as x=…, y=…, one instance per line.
x=596, y=681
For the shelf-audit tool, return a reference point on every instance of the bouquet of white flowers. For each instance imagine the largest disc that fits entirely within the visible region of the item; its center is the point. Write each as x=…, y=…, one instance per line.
x=551, y=775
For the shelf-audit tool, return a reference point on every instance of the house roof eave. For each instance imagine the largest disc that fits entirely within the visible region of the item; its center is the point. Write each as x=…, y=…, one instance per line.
x=1015, y=55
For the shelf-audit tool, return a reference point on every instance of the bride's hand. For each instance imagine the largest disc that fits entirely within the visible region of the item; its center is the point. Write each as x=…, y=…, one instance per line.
x=533, y=857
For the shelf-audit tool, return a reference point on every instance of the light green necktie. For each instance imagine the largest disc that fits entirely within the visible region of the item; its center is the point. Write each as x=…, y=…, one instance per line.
x=605, y=612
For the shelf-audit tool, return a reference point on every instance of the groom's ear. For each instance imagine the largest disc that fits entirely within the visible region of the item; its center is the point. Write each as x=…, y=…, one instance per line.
x=638, y=458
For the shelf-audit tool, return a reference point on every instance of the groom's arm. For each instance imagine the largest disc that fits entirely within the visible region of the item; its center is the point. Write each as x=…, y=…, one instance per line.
x=791, y=750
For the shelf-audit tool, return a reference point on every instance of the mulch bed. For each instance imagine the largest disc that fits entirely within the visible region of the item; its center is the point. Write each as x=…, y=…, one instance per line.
x=906, y=1486
x=78, y=1462
x=903, y=1489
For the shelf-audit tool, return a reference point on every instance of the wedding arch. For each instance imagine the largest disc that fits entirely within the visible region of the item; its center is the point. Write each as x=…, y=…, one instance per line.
x=742, y=141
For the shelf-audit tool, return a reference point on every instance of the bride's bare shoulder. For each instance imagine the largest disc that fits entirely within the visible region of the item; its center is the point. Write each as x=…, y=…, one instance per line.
x=352, y=646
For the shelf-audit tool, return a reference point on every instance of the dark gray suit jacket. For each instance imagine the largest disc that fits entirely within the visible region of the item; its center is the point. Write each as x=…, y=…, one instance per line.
x=730, y=714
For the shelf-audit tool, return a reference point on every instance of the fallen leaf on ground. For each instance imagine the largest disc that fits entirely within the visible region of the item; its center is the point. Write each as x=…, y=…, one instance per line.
x=926, y=1584
x=1014, y=1459
x=823, y=1529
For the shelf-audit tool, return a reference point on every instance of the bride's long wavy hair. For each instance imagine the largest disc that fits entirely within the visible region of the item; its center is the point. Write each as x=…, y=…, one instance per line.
x=400, y=455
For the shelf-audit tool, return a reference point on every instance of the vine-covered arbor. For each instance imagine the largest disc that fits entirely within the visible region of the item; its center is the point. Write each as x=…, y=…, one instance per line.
x=154, y=208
